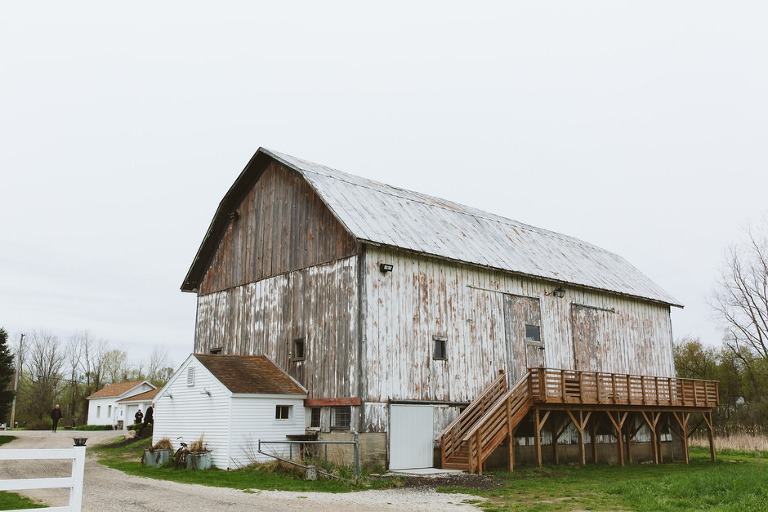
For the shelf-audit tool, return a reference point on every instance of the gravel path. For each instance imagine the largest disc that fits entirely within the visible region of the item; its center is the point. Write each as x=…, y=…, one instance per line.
x=108, y=490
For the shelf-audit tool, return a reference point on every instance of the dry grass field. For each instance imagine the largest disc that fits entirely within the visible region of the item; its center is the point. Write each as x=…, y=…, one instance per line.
x=740, y=438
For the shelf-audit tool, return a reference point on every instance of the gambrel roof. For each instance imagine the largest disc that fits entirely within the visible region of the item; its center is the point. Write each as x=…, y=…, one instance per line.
x=373, y=212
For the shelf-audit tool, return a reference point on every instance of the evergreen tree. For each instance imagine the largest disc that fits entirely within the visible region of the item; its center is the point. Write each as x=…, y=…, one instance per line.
x=6, y=377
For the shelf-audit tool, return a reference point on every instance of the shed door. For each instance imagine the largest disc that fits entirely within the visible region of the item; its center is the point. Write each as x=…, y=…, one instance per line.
x=525, y=344
x=411, y=436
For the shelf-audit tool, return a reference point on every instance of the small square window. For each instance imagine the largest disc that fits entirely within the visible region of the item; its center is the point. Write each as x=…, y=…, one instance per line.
x=298, y=349
x=533, y=333
x=314, y=421
x=191, y=376
x=282, y=412
x=440, y=347
x=341, y=417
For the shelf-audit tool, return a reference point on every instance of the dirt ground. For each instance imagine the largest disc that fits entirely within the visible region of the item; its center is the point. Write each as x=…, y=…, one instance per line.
x=108, y=490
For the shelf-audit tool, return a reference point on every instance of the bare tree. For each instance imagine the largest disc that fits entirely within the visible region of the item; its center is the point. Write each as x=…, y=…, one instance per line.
x=741, y=295
x=158, y=361
x=45, y=359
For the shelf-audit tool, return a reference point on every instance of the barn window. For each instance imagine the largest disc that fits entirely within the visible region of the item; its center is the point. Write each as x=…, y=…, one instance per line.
x=533, y=333
x=341, y=417
x=314, y=421
x=441, y=345
x=191, y=376
x=282, y=412
x=216, y=350
x=298, y=349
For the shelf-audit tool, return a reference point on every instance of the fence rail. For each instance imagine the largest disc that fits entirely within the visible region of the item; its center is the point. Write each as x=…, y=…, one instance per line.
x=74, y=483
x=550, y=385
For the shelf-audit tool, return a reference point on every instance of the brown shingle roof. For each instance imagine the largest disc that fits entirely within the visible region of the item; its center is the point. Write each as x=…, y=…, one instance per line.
x=115, y=389
x=147, y=395
x=250, y=374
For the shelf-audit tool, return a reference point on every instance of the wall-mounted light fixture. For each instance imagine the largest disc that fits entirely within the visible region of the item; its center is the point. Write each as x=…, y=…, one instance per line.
x=205, y=391
x=385, y=267
x=558, y=292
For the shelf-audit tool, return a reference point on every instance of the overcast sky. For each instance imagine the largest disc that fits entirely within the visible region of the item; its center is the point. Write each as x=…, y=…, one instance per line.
x=640, y=127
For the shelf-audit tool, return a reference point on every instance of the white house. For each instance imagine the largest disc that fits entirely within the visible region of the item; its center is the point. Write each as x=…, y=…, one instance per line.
x=105, y=408
x=231, y=402
x=132, y=404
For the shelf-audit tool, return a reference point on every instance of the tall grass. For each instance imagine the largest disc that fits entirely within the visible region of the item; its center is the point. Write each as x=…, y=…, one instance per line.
x=740, y=437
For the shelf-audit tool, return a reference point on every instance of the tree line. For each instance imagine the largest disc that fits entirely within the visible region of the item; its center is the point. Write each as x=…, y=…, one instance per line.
x=65, y=372
x=740, y=302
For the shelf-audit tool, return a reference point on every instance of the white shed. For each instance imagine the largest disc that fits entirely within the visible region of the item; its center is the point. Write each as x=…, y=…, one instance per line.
x=104, y=407
x=231, y=401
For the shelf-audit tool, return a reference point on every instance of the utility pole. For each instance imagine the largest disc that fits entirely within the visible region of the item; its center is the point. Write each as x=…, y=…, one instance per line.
x=16, y=379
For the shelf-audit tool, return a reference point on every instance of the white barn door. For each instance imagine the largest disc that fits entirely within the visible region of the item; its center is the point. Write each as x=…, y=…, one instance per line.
x=411, y=436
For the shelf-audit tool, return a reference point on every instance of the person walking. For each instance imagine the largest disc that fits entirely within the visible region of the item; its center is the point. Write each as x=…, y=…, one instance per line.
x=55, y=417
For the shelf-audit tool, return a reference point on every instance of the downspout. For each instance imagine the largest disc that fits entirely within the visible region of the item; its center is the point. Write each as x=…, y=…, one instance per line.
x=362, y=301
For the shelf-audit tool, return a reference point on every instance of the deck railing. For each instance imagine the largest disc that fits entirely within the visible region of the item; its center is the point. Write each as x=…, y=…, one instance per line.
x=549, y=385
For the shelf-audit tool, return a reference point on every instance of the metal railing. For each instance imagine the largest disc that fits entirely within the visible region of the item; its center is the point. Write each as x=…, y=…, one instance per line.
x=290, y=460
x=74, y=483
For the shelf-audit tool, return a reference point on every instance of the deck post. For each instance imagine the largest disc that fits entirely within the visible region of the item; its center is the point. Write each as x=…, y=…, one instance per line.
x=708, y=420
x=537, y=436
x=555, y=425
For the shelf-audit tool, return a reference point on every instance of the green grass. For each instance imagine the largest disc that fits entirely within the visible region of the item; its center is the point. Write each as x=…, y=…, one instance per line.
x=272, y=476
x=736, y=482
x=6, y=439
x=13, y=501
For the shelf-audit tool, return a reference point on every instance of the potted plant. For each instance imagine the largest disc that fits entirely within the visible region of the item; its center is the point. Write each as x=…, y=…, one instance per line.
x=158, y=454
x=199, y=456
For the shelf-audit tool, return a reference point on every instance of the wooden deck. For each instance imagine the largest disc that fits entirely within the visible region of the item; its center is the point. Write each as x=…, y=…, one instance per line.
x=588, y=400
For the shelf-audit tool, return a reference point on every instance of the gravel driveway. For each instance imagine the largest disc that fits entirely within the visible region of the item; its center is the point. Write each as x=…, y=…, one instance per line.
x=108, y=490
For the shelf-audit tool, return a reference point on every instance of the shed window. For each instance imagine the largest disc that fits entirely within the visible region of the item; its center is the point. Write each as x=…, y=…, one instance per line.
x=191, y=376
x=314, y=421
x=440, y=344
x=282, y=412
x=298, y=349
x=533, y=333
x=341, y=417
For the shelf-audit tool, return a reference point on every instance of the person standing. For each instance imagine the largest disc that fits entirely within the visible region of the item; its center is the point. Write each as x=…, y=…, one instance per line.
x=55, y=417
x=138, y=416
x=148, y=419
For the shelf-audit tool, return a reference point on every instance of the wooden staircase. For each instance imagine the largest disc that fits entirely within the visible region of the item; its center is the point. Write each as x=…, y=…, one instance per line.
x=490, y=419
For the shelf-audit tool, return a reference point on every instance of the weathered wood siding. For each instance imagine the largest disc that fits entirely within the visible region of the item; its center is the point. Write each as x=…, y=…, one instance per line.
x=424, y=297
x=319, y=304
x=280, y=226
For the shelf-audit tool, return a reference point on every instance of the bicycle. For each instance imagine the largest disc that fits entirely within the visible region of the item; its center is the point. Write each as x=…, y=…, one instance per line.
x=180, y=457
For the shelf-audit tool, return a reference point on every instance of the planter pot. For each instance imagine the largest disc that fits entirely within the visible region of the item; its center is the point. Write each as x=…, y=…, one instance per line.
x=199, y=460
x=156, y=458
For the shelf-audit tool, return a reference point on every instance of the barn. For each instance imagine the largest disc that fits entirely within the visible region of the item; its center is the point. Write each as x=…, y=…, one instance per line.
x=230, y=402
x=397, y=311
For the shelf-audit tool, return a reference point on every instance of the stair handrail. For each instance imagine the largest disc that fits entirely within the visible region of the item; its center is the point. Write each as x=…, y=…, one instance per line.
x=472, y=404
x=522, y=383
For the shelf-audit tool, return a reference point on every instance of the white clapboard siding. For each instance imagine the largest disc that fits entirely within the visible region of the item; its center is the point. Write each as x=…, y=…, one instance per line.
x=226, y=422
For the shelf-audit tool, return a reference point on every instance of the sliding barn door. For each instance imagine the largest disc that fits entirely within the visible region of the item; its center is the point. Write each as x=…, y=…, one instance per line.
x=525, y=345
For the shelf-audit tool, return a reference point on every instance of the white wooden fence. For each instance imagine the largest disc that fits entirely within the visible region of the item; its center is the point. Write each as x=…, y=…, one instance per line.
x=74, y=482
